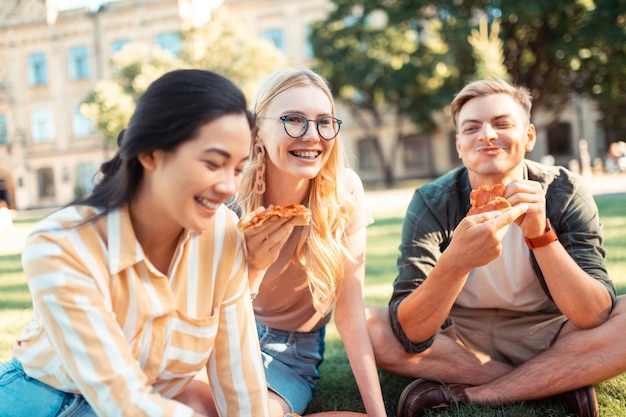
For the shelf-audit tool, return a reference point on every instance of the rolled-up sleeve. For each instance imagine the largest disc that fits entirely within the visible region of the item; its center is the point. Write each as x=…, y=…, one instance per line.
x=432, y=215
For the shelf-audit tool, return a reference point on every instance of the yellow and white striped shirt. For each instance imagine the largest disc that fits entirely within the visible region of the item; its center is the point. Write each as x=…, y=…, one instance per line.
x=108, y=325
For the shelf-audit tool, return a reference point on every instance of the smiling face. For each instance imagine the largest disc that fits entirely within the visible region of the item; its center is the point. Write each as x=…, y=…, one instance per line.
x=493, y=138
x=295, y=159
x=183, y=188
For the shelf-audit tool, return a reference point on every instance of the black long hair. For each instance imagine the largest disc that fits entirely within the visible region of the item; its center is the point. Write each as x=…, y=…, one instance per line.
x=170, y=112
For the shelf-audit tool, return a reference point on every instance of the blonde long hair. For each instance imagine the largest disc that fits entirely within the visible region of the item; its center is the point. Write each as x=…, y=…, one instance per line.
x=321, y=249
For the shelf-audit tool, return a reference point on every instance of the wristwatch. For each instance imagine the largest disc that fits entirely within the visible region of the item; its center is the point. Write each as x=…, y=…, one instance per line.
x=545, y=239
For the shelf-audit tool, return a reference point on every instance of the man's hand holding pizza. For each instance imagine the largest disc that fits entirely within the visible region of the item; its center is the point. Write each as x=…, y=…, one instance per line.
x=533, y=222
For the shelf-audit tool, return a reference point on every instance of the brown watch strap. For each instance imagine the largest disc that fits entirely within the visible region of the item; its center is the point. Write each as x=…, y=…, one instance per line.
x=545, y=239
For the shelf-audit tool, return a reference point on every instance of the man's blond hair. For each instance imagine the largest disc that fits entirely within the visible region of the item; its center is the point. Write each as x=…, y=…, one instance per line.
x=483, y=88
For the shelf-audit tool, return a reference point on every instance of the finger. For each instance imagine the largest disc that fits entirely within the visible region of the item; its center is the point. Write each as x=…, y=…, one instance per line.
x=479, y=218
x=278, y=233
x=508, y=216
x=267, y=227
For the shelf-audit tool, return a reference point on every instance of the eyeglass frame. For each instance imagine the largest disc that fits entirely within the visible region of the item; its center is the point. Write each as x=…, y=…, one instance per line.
x=283, y=119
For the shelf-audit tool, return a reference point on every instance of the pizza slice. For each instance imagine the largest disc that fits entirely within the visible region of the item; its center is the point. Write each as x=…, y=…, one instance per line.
x=488, y=198
x=255, y=218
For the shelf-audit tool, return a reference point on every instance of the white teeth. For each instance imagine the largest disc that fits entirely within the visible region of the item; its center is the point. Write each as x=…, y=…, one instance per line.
x=306, y=155
x=206, y=203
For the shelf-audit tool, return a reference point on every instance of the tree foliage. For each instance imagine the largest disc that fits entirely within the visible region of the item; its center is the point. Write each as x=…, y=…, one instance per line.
x=222, y=46
x=601, y=64
x=112, y=101
x=420, y=55
x=377, y=57
x=488, y=51
x=218, y=46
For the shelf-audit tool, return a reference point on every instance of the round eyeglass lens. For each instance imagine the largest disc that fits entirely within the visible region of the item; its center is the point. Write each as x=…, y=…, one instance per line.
x=295, y=125
x=328, y=127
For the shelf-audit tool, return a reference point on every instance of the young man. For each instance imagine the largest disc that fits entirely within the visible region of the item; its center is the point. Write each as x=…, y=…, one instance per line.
x=503, y=306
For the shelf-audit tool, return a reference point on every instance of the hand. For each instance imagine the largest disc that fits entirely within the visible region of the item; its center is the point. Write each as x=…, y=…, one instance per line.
x=533, y=222
x=477, y=240
x=263, y=242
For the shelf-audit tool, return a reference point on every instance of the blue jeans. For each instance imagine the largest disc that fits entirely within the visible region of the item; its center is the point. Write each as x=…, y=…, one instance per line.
x=291, y=361
x=23, y=396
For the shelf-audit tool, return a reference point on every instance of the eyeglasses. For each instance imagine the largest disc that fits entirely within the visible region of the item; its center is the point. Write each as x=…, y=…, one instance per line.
x=297, y=124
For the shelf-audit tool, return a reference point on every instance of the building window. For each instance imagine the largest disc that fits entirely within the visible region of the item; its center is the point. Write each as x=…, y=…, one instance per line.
x=276, y=37
x=560, y=140
x=37, y=69
x=79, y=63
x=416, y=151
x=369, y=153
x=82, y=126
x=42, y=125
x=170, y=42
x=45, y=182
x=118, y=44
x=4, y=136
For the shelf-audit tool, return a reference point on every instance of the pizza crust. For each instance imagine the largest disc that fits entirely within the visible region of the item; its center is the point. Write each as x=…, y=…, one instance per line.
x=255, y=218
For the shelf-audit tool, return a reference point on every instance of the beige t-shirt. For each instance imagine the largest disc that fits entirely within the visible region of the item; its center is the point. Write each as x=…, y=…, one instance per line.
x=284, y=301
x=509, y=282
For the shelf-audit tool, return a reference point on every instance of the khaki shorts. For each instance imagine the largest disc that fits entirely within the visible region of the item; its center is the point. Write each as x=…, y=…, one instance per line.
x=507, y=336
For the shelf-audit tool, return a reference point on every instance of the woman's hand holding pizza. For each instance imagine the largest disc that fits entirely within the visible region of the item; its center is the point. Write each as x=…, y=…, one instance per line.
x=265, y=232
x=265, y=240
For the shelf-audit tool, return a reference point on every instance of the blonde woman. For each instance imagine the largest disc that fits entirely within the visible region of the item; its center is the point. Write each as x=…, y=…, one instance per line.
x=299, y=274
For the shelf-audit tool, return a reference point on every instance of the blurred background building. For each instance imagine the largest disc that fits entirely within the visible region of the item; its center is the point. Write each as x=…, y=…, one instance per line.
x=51, y=57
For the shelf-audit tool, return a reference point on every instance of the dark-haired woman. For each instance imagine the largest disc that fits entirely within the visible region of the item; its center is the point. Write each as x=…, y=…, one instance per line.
x=143, y=285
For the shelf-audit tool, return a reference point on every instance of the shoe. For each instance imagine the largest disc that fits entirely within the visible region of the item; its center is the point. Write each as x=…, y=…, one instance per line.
x=581, y=402
x=421, y=395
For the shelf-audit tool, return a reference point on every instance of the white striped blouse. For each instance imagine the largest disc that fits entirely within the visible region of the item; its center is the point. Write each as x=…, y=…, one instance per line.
x=108, y=325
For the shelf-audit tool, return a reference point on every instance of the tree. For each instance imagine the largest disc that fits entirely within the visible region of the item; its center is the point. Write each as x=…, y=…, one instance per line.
x=389, y=60
x=112, y=101
x=601, y=62
x=217, y=46
x=488, y=51
x=415, y=62
x=222, y=46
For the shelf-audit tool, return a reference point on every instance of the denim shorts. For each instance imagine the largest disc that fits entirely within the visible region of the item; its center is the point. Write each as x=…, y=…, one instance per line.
x=23, y=396
x=291, y=361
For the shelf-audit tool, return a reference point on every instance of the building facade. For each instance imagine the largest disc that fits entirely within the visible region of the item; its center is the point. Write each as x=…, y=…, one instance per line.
x=50, y=59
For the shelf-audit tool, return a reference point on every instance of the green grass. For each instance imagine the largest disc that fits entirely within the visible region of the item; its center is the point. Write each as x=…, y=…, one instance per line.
x=337, y=389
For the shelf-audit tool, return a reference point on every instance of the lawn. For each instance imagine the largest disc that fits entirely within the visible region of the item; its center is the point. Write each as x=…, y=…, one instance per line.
x=337, y=389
